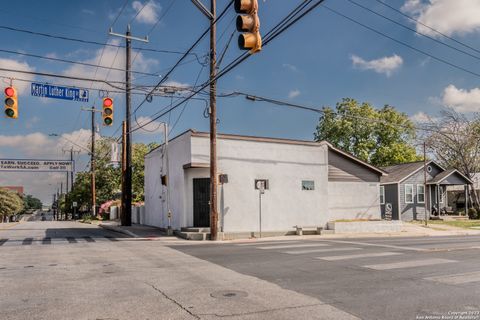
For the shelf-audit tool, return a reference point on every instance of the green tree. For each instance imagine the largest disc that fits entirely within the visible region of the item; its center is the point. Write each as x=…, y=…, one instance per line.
x=10, y=203
x=379, y=136
x=31, y=202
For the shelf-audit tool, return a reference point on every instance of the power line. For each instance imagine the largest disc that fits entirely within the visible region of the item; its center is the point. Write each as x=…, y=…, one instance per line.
x=403, y=43
x=413, y=30
x=184, y=55
x=88, y=41
x=75, y=62
x=427, y=26
x=273, y=33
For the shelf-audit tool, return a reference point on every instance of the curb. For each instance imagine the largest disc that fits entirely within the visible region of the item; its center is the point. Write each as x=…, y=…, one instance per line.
x=119, y=230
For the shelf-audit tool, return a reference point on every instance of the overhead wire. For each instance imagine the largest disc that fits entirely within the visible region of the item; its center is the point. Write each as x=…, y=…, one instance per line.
x=444, y=61
x=272, y=34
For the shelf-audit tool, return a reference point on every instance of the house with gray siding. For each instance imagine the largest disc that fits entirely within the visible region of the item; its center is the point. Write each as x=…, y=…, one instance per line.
x=306, y=183
x=404, y=193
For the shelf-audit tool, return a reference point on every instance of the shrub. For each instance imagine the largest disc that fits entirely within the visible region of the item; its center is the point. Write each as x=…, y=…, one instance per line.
x=472, y=213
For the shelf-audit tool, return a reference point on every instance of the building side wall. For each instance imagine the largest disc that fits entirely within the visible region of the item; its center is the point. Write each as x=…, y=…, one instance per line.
x=415, y=210
x=341, y=168
x=179, y=151
x=354, y=200
x=391, y=196
x=284, y=204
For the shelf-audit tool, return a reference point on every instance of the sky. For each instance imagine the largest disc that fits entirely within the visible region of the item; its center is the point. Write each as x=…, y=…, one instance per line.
x=317, y=62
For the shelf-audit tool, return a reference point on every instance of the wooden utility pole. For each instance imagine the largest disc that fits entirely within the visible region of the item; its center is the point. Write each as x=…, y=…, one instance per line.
x=92, y=165
x=425, y=181
x=213, y=123
x=127, y=173
x=124, y=165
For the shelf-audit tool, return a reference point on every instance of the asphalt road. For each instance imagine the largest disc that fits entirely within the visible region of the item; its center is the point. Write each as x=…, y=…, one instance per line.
x=391, y=278
x=67, y=270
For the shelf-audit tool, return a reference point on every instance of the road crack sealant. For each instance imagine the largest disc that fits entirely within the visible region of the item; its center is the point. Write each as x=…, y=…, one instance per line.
x=173, y=300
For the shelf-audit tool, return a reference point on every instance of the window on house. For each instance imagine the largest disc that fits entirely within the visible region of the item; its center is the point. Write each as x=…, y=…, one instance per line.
x=308, y=185
x=382, y=194
x=409, y=193
x=420, y=193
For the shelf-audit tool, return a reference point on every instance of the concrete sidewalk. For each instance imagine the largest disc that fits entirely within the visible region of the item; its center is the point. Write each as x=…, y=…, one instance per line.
x=138, y=231
x=408, y=230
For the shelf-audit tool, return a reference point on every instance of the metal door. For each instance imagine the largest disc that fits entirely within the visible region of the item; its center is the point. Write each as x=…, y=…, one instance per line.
x=201, y=198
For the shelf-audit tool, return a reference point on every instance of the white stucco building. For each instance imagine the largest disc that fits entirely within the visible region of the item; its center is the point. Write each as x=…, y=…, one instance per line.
x=309, y=184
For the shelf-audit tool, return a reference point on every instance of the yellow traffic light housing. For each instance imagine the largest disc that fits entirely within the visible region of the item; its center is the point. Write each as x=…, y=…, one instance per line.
x=11, y=103
x=249, y=23
x=107, y=111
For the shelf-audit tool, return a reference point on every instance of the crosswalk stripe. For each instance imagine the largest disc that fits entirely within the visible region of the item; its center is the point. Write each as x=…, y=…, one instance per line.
x=457, y=278
x=89, y=239
x=2, y=241
x=359, y=256
x=299, y=245
x=27, y=241
x=71, y=239
x=321, y=250
x=47, y=240
x=408, y=264
x=258, y=243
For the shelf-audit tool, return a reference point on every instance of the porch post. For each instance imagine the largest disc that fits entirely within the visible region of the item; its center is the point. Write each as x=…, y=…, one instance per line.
x=466, y=199
x=438, y=201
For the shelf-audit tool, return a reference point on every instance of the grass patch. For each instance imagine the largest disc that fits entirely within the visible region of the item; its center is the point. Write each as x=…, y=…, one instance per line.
x=467, y=224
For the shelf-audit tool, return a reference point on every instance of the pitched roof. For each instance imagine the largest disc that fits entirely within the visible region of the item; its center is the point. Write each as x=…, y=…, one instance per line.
x=447, y=173
x=400, y=172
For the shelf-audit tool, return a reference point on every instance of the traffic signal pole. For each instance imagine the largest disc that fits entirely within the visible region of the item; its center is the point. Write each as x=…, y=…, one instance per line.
x=126, y=213
x=92, y=165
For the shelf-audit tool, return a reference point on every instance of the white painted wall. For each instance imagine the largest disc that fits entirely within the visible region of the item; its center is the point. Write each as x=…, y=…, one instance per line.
x=156, y=193
x=354, y=200
x=284, y=205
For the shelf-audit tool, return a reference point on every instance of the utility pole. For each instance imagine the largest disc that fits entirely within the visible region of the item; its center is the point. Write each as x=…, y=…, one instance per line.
x=425, y=181
x=124, y=165
x=213, y=123
x=127, y=192
x=61, y=195
x=92, y=165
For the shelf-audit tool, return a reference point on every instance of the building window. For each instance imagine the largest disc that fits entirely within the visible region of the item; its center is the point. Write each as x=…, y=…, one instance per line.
x=409, y=193
x=382, y=194
x=420, y=193
x=308, y=185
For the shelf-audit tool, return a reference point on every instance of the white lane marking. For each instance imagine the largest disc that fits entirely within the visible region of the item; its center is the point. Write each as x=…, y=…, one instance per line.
x=359, y=256
x=457, y=278
x=299, y=245
x=408, y=264
x=321, y=250
x=377, y=245
x=259, y=243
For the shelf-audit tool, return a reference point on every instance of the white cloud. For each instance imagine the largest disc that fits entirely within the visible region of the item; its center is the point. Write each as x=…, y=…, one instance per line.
x=146, y=13
x=290, y=67
x=421, y=117
x=109, y=58
x=88, y=11
x=293, y=93
x=31, y=122
x=447, y=16
x=385, y=65
x=462, y=100
x=154, y=127
x=21, y=86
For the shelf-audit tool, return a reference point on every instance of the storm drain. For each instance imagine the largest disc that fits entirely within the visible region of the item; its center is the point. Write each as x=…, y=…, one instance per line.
x=228, y=294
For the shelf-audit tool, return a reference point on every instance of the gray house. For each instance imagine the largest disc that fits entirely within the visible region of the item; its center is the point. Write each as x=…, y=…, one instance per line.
x=403, y=194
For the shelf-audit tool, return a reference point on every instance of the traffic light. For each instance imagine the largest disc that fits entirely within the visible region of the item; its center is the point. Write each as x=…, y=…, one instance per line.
x=11, y=103
x=107, y=111
x=249, y=23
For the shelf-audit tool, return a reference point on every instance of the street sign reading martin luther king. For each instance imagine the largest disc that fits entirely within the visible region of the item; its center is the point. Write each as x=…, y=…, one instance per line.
x=57, y=92
x=33, y=165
